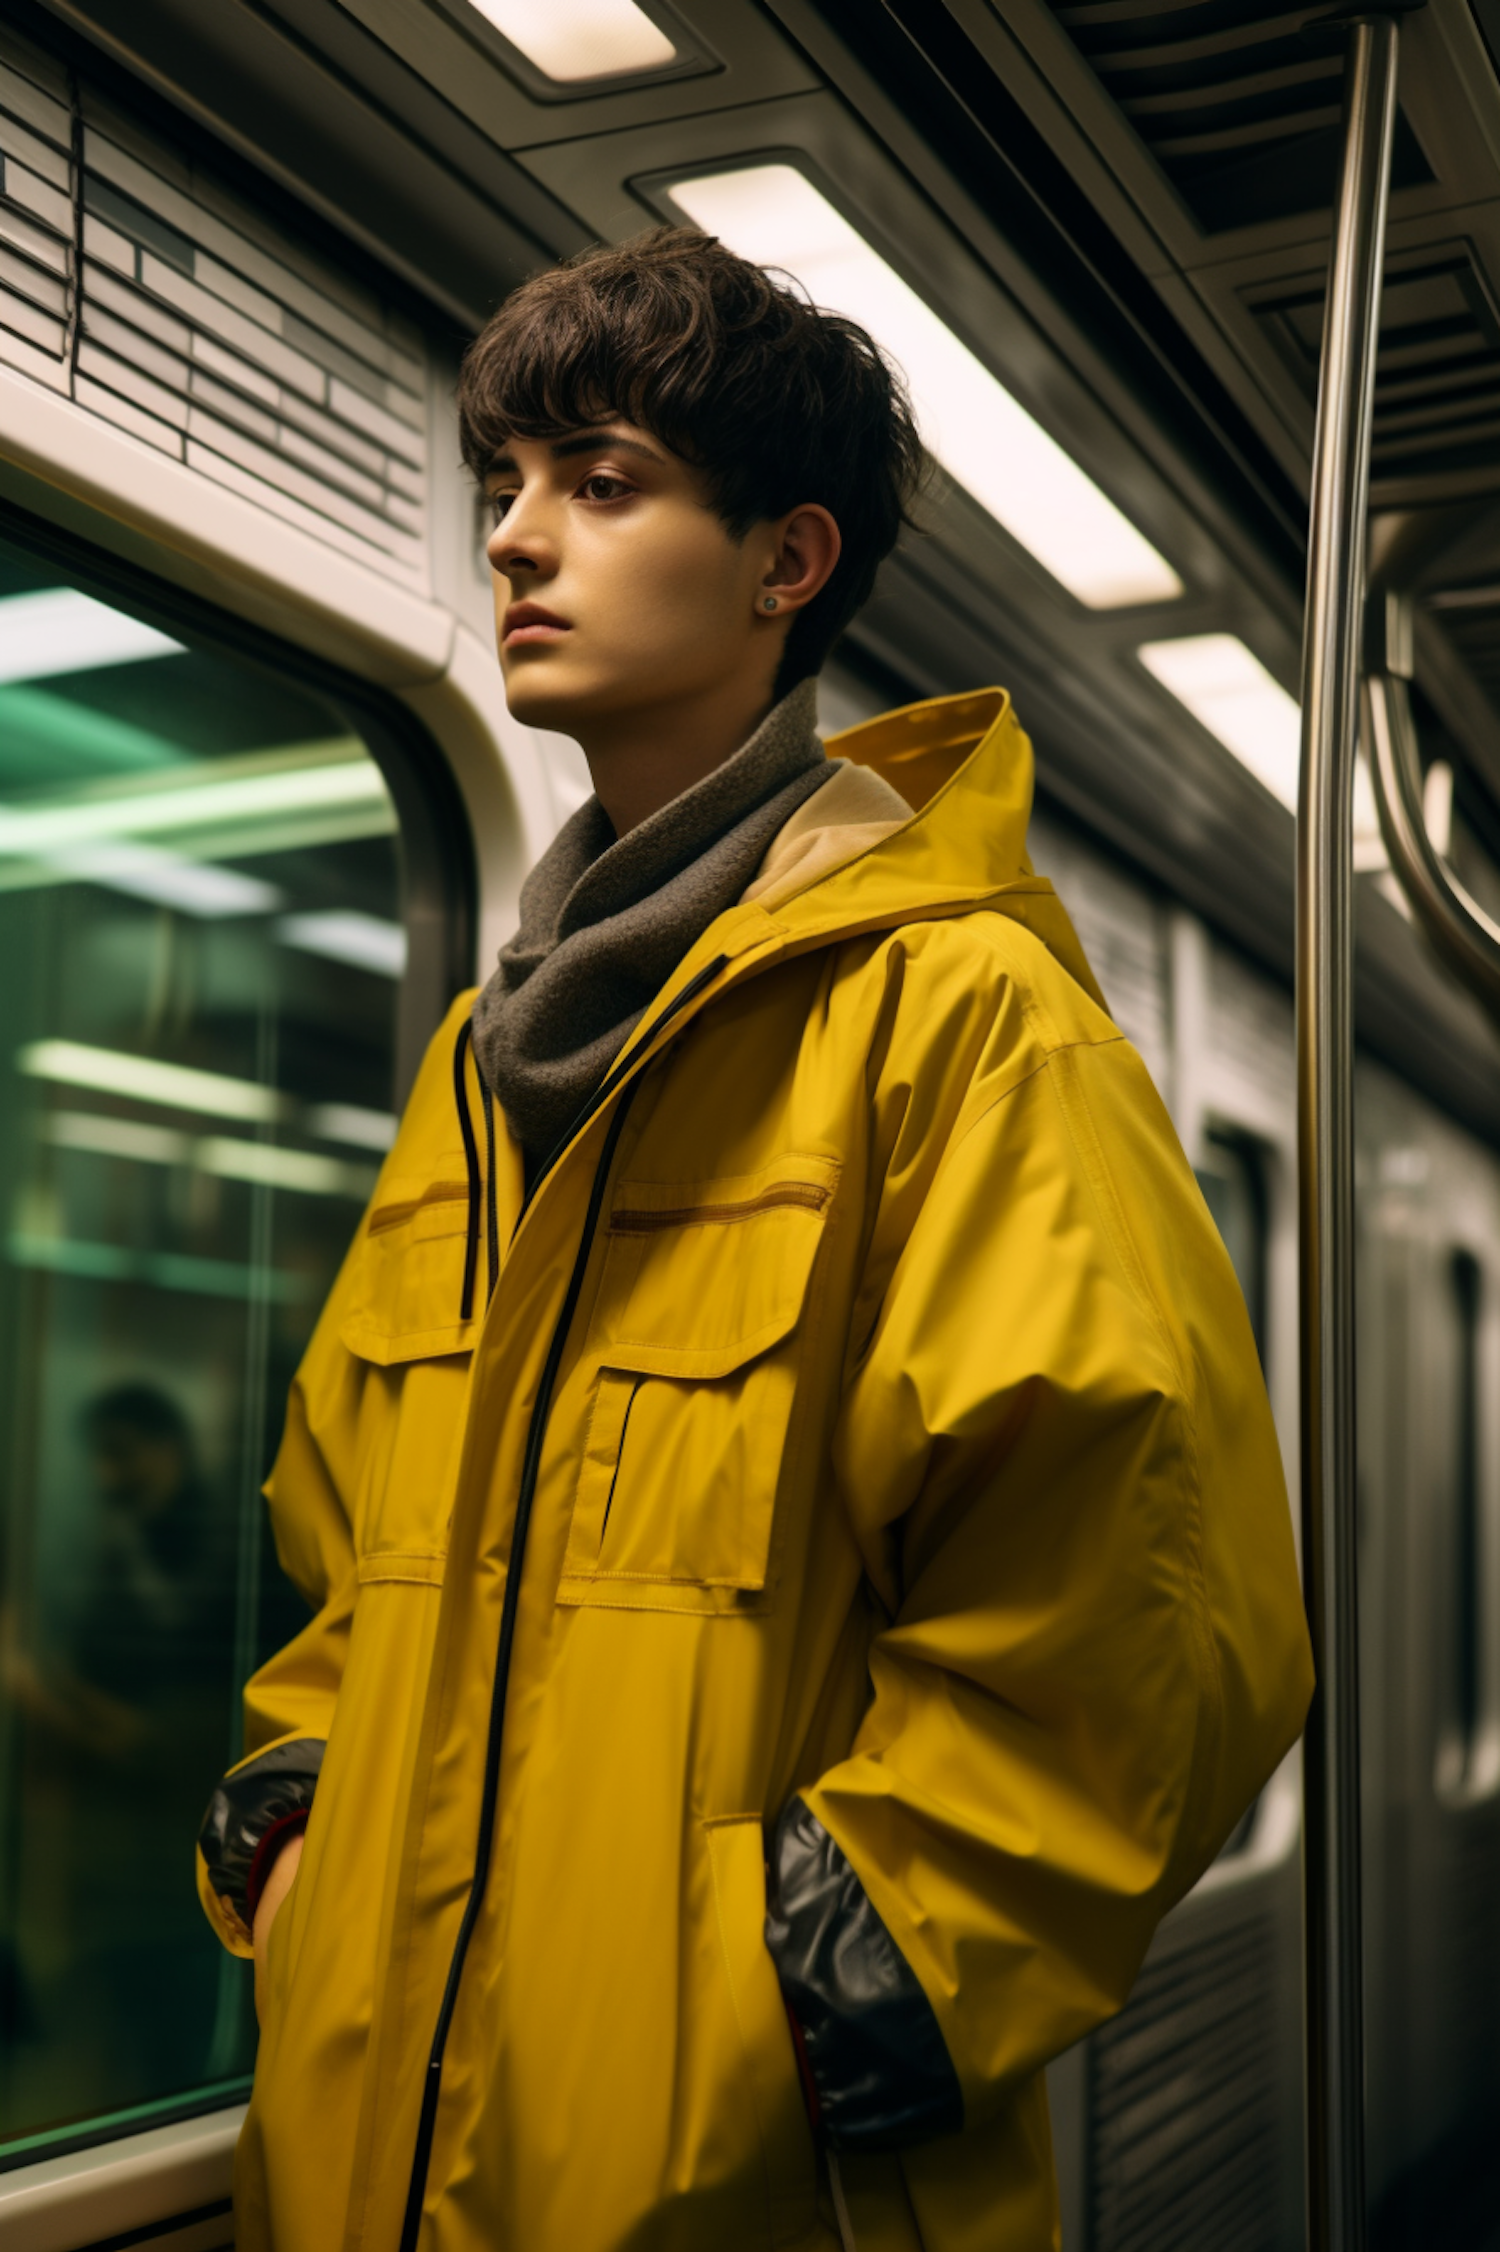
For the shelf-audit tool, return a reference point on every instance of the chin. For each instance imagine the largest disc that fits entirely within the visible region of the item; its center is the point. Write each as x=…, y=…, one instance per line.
x=539, y=702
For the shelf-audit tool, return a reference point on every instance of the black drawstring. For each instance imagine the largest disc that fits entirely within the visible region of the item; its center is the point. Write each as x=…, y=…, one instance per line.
x=462, y=1049
x=492, y=1206
x=471, y=1160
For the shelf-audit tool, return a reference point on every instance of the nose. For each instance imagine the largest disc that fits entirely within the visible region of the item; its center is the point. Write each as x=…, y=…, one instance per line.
x=521, y=546
x=511, y=561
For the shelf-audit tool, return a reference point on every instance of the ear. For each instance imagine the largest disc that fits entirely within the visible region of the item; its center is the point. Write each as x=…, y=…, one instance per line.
x=807, y=545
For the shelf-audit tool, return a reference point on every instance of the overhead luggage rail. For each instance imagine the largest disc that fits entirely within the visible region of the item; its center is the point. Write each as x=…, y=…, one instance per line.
x=1325, y=1130
x=1460, y=931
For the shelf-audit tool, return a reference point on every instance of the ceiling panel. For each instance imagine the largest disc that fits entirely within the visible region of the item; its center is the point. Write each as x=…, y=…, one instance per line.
x=1237, y=104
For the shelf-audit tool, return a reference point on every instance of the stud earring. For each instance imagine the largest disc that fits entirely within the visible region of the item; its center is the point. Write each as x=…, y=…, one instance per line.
x=769, y=603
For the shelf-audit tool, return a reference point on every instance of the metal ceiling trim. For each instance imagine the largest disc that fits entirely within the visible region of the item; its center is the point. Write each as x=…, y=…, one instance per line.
x=384, y=177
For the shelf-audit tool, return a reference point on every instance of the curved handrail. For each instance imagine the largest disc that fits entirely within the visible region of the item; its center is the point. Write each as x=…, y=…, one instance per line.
x=1456, y=926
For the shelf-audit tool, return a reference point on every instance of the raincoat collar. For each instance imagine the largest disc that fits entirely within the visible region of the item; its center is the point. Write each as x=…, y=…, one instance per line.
x=964, y=765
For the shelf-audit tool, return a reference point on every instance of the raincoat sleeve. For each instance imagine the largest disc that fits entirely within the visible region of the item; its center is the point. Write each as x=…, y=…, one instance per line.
x=266, y=1798
x=1058, y=1456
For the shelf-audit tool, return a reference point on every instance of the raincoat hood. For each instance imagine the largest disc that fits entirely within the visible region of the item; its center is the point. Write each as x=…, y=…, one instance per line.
x=964, y=766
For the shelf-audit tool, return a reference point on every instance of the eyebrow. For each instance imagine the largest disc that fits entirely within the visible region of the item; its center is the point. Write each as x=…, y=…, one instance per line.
x=586, y=441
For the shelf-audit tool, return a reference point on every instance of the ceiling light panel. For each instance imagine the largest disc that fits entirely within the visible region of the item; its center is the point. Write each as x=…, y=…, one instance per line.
x=1229, y=691
x=113, y=1071
x=351, y=1123
x=143, y=871
x=265, y=1164
x=342, y=934
x=180, y=803
x=570, y=41
x=58, y=630
x=101, y=1134
x=212, y=1094
x=984, y=438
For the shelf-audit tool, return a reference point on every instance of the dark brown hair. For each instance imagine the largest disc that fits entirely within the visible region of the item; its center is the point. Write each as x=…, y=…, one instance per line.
x=773, y=401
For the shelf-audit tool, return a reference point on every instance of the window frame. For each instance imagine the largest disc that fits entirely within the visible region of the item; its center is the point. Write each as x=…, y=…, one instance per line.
x=1269, y=1832
x=439, y=866
x=1251, y=1153
x=1465, y=1755
x=440, y=904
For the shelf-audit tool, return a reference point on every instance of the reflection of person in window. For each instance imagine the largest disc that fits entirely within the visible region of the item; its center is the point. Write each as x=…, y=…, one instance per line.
x=153, y=1639
x=146, y=1615
x=118, y=1731
x=153, y=1626
x=854, y=1580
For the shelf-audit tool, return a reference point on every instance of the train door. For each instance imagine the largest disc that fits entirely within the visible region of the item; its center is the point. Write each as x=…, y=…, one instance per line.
x=211, y=912
x=1429, y=1496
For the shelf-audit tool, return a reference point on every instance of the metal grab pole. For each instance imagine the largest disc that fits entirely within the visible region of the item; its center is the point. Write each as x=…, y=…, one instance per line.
x=1325, y=1070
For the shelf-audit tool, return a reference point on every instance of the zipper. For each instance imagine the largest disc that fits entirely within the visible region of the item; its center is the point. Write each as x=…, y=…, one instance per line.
x=531, y=1465
x=530, y=1470
x=627, y=1062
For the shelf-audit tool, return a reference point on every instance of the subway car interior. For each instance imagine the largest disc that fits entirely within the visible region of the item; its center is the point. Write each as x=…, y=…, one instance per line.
x=263, y=813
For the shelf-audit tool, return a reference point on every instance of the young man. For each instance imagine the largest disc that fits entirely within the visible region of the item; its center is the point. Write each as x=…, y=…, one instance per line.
x=802, y=1574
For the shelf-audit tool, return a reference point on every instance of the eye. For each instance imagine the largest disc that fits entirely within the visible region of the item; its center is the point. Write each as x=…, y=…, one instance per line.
x=499, y=505
x=603, y=484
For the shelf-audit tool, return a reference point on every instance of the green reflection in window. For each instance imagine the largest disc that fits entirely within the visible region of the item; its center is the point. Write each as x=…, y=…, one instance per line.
x=200, y=927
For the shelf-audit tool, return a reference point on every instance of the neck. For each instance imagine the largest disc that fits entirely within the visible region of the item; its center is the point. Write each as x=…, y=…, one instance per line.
x=641, y=760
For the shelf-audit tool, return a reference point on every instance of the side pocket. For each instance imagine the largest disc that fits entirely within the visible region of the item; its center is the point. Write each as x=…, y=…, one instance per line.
x=773, y=2087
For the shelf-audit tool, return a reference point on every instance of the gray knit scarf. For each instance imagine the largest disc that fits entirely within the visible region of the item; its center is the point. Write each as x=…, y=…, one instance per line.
x=605, y=921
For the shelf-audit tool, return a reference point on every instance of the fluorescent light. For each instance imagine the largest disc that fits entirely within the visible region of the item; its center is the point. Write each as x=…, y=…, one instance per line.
x=56, y=733
x=367, y=942
x=148, y=872
x=347, y=1122
x=985, y=440
x=59, y=630
x=305, y=1171
x=37, y=833
x=164, y=1270
x=1229, y=691
x=569, y=40
x=102, y=1136
x=140, y=1079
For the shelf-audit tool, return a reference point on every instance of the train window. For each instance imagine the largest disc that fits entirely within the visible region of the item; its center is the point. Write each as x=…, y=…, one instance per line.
x=201, y=925
x=1232, y=1176
x=1466, y=1283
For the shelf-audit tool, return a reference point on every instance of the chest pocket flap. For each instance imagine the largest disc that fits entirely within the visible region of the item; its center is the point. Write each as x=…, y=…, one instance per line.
x=409, y=1273
x=696, y=1342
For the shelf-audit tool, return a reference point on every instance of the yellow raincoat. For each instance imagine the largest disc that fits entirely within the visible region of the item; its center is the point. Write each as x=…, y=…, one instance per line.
x=890, y=1431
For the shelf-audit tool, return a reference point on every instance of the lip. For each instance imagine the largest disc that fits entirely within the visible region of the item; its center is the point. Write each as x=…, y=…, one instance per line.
x=528, y=621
